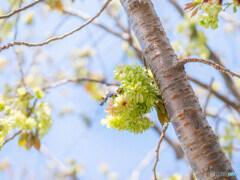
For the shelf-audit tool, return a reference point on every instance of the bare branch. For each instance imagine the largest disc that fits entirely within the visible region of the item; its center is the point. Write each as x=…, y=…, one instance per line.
x=214, y=65
x=208, y=97
x=76, y=80
x=176, y=5
x=17, y=43
x=126, y=36
x=62, y=167
x=144, y=163
x=116, y=18
x=158, y=147
x=84, y=16
x=229, y=18
x=12, y=137
x=108, y=95
x=20, y=9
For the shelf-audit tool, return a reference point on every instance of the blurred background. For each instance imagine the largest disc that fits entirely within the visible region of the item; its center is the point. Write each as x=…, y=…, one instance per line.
x=77, y=146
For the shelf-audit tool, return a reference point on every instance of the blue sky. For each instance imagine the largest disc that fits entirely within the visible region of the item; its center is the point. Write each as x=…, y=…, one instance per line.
x=69, y=137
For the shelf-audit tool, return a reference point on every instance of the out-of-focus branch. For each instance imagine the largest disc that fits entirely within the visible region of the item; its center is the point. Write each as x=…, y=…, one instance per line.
x=20, y=9
x=18, y=43
x=85, y=17
x=144, y=163
x=116, y=18
x=76, y=80
x=66, y=171
x=125, y=36
x=228, y=80
x=229, y=18
x=214, y=65
x=176, y=5
x=215, y=93
x=208, y=97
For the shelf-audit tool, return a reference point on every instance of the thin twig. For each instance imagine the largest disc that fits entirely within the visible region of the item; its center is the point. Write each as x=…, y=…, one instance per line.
x=116, y=18
x=19, y=43
x=61, y=166
x=229, y=18
x=144, y=163
x=124, y=36
x=20, y=9
x=157, y=150
x=16, y=22
x=204, y=61
x=76, y=80
x=176, y=5
x=18, y=55
x=175, y=145
x=84, y=16
x=20, y=68
x=208, y=96
x=12, y=137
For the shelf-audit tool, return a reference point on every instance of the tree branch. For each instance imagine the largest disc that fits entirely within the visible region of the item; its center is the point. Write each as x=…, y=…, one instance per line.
x=17, y=43
x=214, y=65
x=12, y=137
x=176, y=5
x=84, y=16
x=76, y=80
x=125, y=36
x=208, y=96
x=20, y=9
x=158, y=147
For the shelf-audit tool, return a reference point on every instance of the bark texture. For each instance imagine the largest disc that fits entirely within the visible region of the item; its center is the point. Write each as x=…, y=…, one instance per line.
x=196, y=137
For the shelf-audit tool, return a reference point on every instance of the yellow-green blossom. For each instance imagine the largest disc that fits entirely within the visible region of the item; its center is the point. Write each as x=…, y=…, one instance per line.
x=2, y=105
x=21, y=91
x=139, y=94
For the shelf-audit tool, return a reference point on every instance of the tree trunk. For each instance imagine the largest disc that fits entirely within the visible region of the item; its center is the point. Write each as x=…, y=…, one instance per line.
x=196, y=137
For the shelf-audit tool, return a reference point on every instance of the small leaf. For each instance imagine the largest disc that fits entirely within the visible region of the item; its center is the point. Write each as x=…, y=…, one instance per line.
x=194, y=12
x=37, y=144
x=162, y=113
x=29, y=141
x=189, y=5
x=22, y=139
x=28, y=144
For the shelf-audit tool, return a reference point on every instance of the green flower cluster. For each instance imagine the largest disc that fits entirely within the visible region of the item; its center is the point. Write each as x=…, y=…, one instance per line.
x=210, y=18
x=137, y=96
x=20, y=111
x=43, y=117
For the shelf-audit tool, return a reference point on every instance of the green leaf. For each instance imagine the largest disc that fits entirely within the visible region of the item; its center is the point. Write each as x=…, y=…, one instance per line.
x=162, y=113
x=22, y=139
